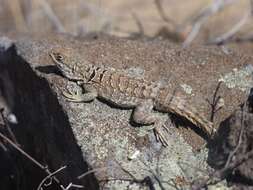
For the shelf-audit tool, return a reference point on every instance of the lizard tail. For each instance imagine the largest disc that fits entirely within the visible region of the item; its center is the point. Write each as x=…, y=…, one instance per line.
x=180, y=107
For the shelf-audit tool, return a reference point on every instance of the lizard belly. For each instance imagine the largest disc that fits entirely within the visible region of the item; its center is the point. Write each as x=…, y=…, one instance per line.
x=120, y=99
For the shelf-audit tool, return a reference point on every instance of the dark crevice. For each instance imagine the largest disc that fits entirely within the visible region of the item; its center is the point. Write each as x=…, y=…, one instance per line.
x=43, y=130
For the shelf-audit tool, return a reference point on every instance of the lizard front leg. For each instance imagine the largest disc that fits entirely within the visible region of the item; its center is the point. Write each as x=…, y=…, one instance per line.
x=143, y=115
x=78, y=95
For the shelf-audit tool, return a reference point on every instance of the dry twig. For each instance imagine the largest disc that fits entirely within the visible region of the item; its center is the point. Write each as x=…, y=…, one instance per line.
x=228, y=35
x=16, y=11
x=139, y=25
x=6, y=125
x=49, y=177
x=52, y=17
x=91, y=171
x=230, y=165
x=214, y=103
x=203, y=16
x=162, y=13
x=37, y=163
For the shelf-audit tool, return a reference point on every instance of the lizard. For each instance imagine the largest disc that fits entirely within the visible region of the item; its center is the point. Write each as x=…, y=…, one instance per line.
x=120, y=89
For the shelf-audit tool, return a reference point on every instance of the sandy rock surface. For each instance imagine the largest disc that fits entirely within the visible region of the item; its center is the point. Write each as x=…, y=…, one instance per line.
x=103, y=133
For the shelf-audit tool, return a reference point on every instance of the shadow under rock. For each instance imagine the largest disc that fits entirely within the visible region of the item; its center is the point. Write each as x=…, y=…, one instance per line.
x=234, y=139
x=43, y=130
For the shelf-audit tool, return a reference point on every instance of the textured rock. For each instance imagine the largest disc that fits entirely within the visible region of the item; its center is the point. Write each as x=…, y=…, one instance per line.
x=43, y=130
x=104, y=134
x=234, y=137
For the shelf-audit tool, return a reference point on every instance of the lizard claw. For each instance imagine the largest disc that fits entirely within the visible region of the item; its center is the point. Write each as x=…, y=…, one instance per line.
x=159, y=134
x=73, y=96
x=78, y=96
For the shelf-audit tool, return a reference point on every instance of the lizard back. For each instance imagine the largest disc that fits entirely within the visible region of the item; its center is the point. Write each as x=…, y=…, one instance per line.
x=123, y=90
x=117, y=87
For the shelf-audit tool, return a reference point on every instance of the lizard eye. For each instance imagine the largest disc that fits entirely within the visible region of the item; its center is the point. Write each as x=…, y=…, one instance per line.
x=58, y=57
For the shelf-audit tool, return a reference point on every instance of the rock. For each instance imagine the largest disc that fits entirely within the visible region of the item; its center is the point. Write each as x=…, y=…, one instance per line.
x=233, y=142
x=43, y=130
x=51, y=129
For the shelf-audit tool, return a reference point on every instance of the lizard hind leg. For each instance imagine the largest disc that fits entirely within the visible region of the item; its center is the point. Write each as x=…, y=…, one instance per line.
x=143, y=114
x=78, y=96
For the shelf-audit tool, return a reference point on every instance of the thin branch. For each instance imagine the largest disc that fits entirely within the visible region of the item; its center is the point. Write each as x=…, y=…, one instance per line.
x=147, y=180
x=27, y=156
x=161, y=11
x=229, y=34
x=239, y=139
x=203, y=16
x=139, y=24
x=73, y=185
x=49, y=176
x=21, y=151
x=18, y=16
x=194, y=32
x=215, y=102
x=219, y=175
x=251, y=6
x=8, y=127
x=156, y=175
x=3, y=147
x=51, y=15
x=91, y=171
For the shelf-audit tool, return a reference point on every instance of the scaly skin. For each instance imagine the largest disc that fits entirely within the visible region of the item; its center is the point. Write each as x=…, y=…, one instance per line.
x=127, y=92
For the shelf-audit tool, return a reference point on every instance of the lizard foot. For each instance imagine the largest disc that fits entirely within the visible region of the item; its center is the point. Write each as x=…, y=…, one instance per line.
x=78, y=95
x=159, y=134
x=73, y=96
x=143, y=114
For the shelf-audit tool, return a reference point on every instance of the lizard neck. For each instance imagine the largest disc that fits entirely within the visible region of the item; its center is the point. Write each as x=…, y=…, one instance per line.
x=94, y=73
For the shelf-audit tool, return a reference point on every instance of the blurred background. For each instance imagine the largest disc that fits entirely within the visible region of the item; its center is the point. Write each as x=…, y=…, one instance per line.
x=194, y=21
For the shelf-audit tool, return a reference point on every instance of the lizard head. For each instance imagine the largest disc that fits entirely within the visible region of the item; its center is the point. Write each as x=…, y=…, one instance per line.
x=65, y=62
